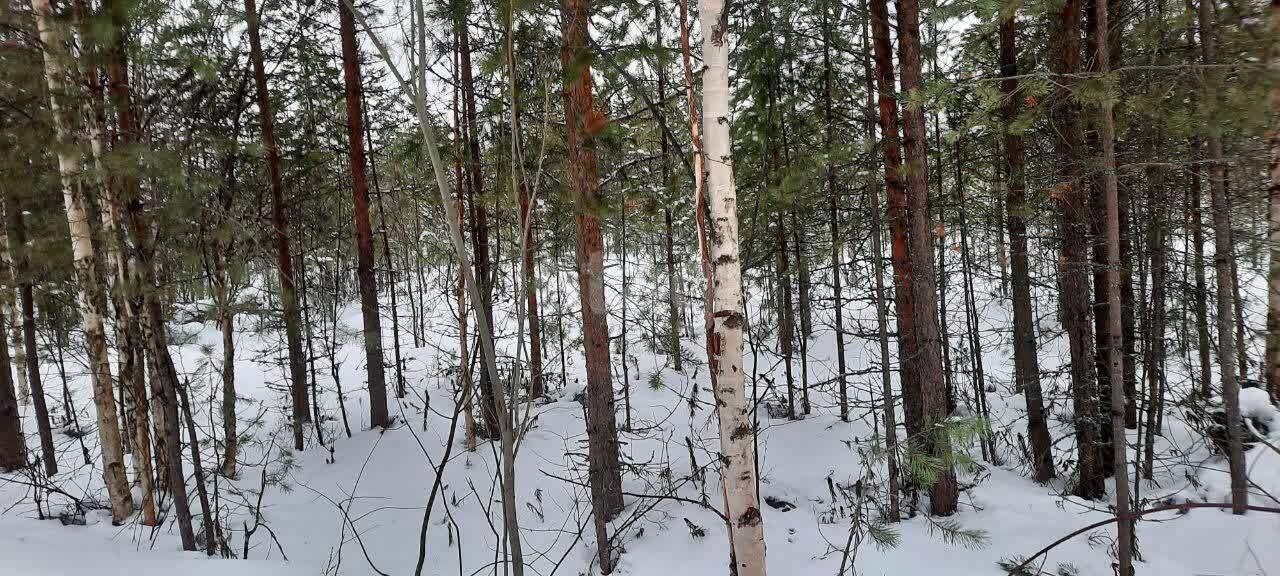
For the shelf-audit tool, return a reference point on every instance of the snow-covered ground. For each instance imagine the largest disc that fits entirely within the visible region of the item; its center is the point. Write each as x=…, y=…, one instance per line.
x=355, y=506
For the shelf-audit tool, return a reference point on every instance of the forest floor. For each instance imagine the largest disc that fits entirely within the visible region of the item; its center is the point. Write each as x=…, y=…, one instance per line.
x=354, y=505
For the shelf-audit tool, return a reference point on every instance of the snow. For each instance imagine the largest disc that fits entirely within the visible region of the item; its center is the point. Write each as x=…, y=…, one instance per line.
x=31, y=548
x=356, y=507
x=1256, y=403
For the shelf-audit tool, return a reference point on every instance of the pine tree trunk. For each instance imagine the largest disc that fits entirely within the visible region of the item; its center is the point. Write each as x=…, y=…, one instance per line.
x=226, y=319
x=210, y=543
x=1098, y=244
x=986, y=438
x=931, y=387
x=1073, y=203
x=786, y=318
x=896, y=194
x=1222, y=258
x=802, y=335
x=1026, y=366
x=889, y=404
x=280, y=223
x=668, y=240
x=833, y=213
x=1203, y=343
x=1157, y=235
x=376, y=370
x=401, y=390
x=479, y=223
x=85, y=259
x=1116, y=356
x=461, y=218
x=527, y=261
x=737, y=451
x=583, y=123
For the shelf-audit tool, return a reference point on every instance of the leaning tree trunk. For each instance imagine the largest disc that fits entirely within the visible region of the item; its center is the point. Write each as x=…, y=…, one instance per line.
x=378, y=416
x=1222, y=258
x=583, y=122
x=931, y=387
x=280, y=223
x=1025, y=365
x=737, y=450
x=85, y=260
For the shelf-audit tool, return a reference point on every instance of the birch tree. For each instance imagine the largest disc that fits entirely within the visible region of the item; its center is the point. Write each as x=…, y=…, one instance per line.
x=737, y=451
x=85, y=258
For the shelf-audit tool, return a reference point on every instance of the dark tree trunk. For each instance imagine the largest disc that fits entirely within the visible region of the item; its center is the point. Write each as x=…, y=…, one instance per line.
x=583, y=122
x=833, y=215
x=931, y=392
x=1155, y=355
x=401, y=390
x=479, y=222
x=378, y=417
x=280, y=223
x=1026, y=366
x=13, y=448
x=888, y=403
x=1222, y=259
x=210, y=541
x=890, y=147
x=786, y=318
x=1073, y=202
x=22, y=273
x=673, y=302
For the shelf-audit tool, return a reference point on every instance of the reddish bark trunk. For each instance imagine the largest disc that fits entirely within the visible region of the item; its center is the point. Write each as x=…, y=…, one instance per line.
x=1073, y=202
x=896, y=195
x=280, y=223
x=376, y=370
x=583, y=121
x=932, y=388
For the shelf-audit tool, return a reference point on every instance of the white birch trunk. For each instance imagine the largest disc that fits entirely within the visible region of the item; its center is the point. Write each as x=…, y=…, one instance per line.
x=91, y=284
x=737, y=458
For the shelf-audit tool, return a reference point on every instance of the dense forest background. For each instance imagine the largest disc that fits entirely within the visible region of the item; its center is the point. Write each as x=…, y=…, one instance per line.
x=940, y=282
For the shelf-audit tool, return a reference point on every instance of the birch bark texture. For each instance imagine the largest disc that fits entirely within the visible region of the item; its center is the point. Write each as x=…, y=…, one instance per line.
x=737, y=452
x=91, y=283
